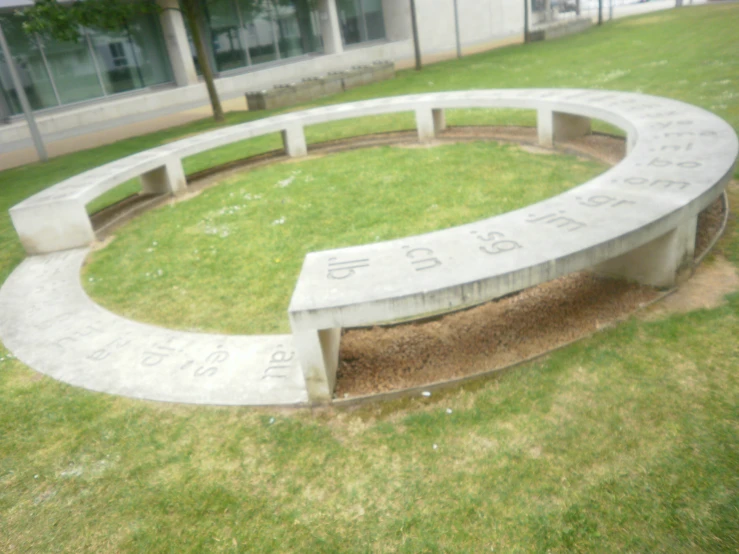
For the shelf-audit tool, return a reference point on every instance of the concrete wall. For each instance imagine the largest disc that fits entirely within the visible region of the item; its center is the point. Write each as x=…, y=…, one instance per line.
x=480, y=21
x=397, y=19
x=484, y=24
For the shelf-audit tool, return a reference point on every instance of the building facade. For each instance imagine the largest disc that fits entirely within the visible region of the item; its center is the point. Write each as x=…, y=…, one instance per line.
x=150, y=67
x=55, y=74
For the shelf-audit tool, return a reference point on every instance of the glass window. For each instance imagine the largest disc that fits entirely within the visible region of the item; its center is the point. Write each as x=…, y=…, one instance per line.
x=54, y=72
x=132, y=58
x=297, y=26
x=115, y=55
x=374, y=19
x=29, y=63
x=73, y=70
x=221, y=27
x=8, y=100
x=350, y=19
x=149, y=51
x=360, y=20
x=249, y=32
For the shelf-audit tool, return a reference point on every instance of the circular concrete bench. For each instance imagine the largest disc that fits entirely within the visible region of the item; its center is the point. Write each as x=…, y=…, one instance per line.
x=636, y=220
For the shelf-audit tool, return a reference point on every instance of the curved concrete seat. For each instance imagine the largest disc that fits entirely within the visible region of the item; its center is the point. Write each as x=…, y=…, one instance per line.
x=48, y=322
x=636, y=220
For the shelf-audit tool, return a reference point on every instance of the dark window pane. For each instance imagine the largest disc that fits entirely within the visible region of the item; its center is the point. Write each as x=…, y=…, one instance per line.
x=226, y=35
x=72, y=69
x=151, y=52
x=298, y=28
x=132, y=58
x=374, y=19
x=360, y=20
x=350, y=20
x=29, y=63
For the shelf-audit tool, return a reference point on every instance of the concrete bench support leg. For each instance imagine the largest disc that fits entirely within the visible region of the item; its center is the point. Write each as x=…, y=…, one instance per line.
x=294, y=140
x=439, y=120
x=53, y=227
x=318, y=353
x=168, y=179
x=429, y=123
x=657, y=263
x=555, y=126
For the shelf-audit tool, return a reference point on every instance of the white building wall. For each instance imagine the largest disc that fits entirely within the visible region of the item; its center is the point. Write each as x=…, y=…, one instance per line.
x=483, y=23
x=397, y=16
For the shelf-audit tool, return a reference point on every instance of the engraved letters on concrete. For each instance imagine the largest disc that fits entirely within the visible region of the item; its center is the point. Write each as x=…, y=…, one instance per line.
x=679, y=159
x=678, y=156
x=346, y=268
x=495, y=243
x=421, y=258
x=61, y=332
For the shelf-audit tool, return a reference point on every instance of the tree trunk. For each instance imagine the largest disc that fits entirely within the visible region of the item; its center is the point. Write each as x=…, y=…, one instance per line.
x=191, y=8
x=414, y=26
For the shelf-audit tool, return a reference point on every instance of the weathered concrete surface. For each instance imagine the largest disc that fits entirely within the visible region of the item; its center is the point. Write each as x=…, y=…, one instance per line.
x=50, y=324
x=555, y=126
x=635, y=220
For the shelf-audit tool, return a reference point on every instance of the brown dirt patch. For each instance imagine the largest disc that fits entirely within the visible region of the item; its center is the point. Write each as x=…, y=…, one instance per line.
x=491, y=336
x=707, y=288
x=709, y=222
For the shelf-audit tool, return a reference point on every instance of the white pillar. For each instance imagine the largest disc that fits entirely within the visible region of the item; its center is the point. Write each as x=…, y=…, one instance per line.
x=545, y=127
x=429, y=122
x=556, y=126
x=293, y=138
x=330, y=30
x=439, y=120
x=178, y=47
x=318, y=354
x=168, y=179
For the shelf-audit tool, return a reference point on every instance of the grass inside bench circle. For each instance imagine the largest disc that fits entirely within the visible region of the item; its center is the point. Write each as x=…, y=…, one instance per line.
x=228, y=259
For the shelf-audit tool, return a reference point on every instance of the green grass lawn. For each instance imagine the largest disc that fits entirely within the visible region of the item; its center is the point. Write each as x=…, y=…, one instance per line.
x=228, y=260
x=624, y=442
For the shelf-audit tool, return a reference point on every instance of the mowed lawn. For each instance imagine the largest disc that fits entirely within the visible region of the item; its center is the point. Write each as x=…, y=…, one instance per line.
x=624, y=442
x=228, y=260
